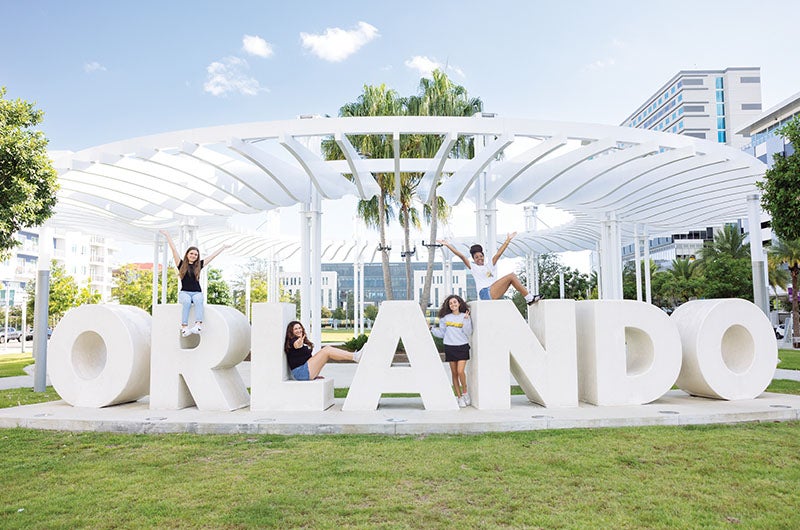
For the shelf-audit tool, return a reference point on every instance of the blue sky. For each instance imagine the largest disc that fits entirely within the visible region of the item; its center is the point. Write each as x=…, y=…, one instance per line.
x=111, y=70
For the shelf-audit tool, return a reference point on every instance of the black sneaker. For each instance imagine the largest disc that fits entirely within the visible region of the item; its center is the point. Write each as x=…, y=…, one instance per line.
x=535, y=299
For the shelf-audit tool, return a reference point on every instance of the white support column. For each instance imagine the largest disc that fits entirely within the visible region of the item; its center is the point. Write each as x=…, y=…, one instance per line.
x=611, y=258
x=305, y=264
x=316, y=268
x=647, y=287
x=273, y=278
x=248, y=284
x=164, y=271
x=42, y=309
x=154, y=282
x=24, y=325
x=637, y=262
x=447, y=270
x=598, y=267
x=758, y=260
x=532, y=259
x=481, y=208
x=356, y=296
x=361, y=296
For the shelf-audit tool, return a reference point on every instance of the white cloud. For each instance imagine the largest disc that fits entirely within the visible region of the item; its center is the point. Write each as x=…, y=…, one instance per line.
x=337, y=44
x=93, y=66
x=255, y=45
x=601, y=64
x=426, y=65
x=230, y=75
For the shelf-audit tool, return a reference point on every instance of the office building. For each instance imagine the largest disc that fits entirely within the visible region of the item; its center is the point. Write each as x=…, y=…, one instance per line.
x=337, y=282
x=89, y=259
x=707, y=104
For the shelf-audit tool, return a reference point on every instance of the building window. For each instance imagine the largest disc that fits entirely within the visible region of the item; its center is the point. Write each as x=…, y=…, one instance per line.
x=719, y=82
x=720, y=123
x=721, y=137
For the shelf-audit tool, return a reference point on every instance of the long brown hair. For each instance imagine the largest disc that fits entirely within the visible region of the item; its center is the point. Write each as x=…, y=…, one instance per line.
x=184, y=268
x=445, y=309
x=290, y=338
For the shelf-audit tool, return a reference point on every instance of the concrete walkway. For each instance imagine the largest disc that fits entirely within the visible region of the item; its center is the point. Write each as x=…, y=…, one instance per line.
x=401, y=415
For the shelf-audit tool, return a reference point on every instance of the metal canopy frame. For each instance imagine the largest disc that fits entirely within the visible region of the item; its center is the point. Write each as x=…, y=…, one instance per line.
x=616, y=182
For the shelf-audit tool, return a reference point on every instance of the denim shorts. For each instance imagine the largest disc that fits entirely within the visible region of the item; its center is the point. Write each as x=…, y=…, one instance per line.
x=301, y=373
x=484, y=294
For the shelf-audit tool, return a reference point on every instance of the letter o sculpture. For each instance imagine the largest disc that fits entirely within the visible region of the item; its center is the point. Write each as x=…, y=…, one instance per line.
x=729, y=349
x=99, y=355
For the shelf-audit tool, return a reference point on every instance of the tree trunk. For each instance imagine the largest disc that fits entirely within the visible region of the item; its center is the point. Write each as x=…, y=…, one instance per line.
x=387, y=276
x=795, y=315
x=425, y=300
x=407, y=237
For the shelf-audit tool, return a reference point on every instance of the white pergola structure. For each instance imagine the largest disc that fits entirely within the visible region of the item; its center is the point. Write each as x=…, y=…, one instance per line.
x=619, y=184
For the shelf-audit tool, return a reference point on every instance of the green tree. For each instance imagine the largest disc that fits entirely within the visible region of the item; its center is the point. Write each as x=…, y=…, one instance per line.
x=438, y=96
x=788, y=252
x=576, y=283
x=725, y=265
x=729, y=241
x=134, y=286
x=28, y=182
x=64, y=294
x=218, y=292
x=376, y=212
x=678, y=284
x=778, y=276
x=258, y=271
x=370, y=312
x=781, y=186
x=728, y=277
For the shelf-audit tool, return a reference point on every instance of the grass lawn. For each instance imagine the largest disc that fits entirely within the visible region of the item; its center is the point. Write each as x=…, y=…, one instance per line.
x=789, y=359
x=12, y=364
x=641, y=477
x=338, y=335
x=648, y=477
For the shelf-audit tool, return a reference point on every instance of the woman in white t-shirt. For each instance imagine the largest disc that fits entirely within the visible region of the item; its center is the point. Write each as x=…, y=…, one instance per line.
x=488, y=285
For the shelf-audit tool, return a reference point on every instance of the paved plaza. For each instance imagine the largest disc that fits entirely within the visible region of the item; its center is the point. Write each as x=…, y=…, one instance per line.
x=398, y=416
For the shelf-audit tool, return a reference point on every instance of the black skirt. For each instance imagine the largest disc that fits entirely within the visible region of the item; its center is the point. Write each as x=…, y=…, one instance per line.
x=459, y=352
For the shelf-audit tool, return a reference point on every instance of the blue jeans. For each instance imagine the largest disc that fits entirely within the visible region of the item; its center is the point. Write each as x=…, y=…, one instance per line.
x=186, y=299
x=484, y=294
x=301, y=373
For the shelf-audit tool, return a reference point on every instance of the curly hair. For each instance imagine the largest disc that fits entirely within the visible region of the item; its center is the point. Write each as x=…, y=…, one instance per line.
x=288, y=344
x=445, y=309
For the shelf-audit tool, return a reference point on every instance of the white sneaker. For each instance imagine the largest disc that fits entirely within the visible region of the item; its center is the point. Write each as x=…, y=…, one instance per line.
x=185, y=332
x=198, y=327
x=467, y=400
x=461, y=402
x=357, y=355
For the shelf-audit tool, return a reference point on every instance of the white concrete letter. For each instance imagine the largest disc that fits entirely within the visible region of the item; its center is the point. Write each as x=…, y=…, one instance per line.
x=502, y=342
x=729, y=349
x=272, y=387
x=199, y=369
x=375, y=375
x=99, y=355
x=629, y=352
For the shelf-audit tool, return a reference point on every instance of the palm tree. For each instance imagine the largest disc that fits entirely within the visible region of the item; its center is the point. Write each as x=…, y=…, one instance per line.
x=778, y=275
x=439, y=96
x=377, y=211
x=788, y=252
x=729, y=241
x=683, y=268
